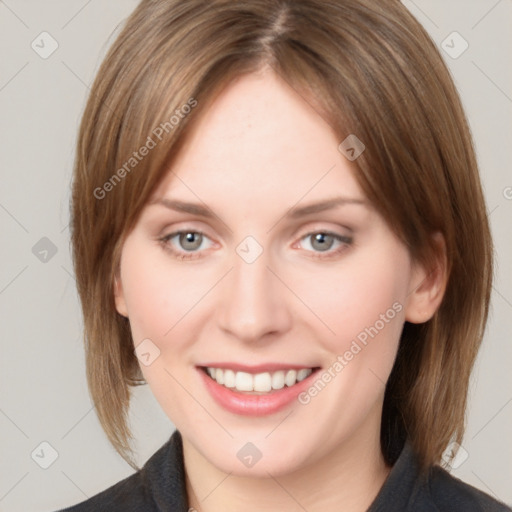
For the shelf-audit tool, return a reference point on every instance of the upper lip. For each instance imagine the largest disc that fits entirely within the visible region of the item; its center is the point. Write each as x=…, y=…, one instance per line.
x=259, y=368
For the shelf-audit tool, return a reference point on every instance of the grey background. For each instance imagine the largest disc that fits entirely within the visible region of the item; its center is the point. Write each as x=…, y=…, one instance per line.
x=43, y=394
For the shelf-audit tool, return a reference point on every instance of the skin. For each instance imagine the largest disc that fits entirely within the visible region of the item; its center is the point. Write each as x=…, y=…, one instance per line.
x=249, y=162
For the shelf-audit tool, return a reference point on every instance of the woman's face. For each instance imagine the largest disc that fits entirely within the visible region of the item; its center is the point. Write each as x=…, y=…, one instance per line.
x=265, y=289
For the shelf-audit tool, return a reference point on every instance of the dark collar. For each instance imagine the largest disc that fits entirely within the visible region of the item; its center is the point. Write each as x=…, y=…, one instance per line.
x=164, y=474
x=401, y=486
x=405, y=489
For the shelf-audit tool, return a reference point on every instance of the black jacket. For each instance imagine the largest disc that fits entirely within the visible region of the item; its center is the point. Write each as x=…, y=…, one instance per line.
x=160, y=487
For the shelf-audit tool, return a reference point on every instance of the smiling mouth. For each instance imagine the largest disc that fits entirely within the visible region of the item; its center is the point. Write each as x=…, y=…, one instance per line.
x=264, y=382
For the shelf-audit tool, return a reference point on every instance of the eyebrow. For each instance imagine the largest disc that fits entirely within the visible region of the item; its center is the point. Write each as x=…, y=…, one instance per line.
x=183, y=206
x=320, y=206
x=294, y=212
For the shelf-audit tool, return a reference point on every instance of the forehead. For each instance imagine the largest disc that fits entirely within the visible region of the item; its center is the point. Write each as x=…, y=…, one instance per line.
x=260, y=140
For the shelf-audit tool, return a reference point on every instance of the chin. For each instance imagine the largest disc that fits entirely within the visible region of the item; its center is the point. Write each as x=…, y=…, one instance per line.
x=256, y=456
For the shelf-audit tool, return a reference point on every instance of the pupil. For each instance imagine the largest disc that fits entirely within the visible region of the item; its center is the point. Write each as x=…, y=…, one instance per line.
x=320, y=238
x=189, y=239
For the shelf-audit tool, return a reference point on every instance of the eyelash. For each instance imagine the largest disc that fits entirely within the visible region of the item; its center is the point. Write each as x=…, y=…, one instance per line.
x=345, y=241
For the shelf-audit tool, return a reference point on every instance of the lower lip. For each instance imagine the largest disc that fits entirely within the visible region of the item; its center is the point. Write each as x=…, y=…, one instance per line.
x=254, y=405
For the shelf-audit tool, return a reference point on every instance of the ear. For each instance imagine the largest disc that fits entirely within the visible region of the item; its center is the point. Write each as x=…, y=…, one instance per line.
x=428, y=285
x=119, y=296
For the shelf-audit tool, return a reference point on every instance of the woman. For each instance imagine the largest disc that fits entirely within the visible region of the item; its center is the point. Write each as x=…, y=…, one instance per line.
x=278, y=224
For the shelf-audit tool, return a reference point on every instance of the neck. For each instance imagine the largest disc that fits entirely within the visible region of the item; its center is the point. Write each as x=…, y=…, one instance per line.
x=351, y=476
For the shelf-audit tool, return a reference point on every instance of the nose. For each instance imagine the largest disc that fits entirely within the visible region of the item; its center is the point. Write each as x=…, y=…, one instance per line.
x=255, y=303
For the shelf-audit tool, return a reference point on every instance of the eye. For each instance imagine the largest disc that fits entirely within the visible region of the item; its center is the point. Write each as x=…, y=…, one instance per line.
x=188, y=244
x=323, y=241
x=184, y=244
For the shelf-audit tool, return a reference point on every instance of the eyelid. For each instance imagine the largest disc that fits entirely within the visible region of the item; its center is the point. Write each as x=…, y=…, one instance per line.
x=336, y=230
x=321, y=227
x=196, y=226
x=328, y=233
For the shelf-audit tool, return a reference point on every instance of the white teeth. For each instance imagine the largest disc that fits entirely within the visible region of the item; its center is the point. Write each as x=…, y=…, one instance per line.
x=244, y=382
x=278, y=380
x=229, y=378
x=290, y=378
x=261, y=382
x=302, y=374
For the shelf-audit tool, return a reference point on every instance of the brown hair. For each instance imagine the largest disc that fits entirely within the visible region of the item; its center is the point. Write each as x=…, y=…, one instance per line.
x=370, y=69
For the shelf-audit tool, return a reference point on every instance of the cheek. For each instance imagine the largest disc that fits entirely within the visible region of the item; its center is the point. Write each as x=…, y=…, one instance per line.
x=160, y=304
x=363, y=301
x=156, y=299
x=364, y=307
